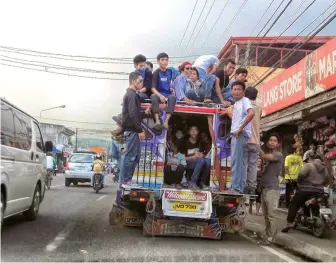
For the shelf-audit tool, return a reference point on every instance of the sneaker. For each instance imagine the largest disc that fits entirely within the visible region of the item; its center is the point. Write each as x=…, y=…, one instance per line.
x=207, y=100
x=157, y=126
x=287, y=228
x=205, y=187
x=193, y=186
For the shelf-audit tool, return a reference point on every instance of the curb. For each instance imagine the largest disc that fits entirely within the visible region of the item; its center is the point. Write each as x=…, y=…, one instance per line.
x=297, y=246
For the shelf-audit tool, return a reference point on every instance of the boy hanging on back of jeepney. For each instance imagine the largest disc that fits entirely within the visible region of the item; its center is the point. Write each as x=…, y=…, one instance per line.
x=162, y=91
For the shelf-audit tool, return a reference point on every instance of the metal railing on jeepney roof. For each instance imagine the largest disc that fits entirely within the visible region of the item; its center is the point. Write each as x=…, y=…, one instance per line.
x=149, y=170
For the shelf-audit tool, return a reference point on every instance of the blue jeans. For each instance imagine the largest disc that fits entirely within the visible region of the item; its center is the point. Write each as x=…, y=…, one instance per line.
x=104, y=182
x=143, y=96
x=238, y=162
x=131, y=156
x=191, y=94
x=208, y=83
x=201, y=167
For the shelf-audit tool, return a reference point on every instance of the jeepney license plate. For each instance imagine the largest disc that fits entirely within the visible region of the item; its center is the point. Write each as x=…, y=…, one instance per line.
x=185, y=207
x=326, y=211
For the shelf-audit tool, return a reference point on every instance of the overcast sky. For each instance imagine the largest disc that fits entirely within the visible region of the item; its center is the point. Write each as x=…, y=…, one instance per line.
x=116, y=28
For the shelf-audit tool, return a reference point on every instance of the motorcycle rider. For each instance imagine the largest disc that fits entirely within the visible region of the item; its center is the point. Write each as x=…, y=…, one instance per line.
x=310, y=182
x=98, y=167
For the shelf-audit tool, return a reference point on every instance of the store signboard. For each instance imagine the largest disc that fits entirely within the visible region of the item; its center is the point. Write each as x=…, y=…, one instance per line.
x=312, y=75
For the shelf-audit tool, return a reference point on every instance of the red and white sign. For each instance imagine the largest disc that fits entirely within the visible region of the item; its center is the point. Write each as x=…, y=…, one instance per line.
x=312, y=75
x=185, y=195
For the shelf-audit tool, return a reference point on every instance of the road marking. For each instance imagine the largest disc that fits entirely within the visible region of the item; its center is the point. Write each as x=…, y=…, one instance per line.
x=59, y=238
x=269, y=249
x=100, y=198
x=56, y=185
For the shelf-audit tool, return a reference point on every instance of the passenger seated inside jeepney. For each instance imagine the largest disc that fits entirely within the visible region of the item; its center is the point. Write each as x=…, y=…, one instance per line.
x=174, y=168
x=194, y=141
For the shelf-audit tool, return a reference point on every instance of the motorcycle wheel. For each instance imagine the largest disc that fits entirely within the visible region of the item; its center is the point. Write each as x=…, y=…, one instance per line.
x=320, y=230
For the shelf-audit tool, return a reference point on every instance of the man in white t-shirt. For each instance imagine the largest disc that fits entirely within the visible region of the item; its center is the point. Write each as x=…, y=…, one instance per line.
x=206, y=66
x=241, y=129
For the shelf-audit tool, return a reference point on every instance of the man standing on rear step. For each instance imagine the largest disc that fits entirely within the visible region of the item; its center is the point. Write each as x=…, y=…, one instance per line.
x=251, y=151
x=242, y=116
x=131, y=124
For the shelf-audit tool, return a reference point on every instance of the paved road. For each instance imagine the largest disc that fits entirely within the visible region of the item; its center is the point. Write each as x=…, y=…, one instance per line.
x=73, y=226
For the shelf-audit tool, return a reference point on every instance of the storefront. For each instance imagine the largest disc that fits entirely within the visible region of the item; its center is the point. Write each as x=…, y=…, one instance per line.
x=302, y=100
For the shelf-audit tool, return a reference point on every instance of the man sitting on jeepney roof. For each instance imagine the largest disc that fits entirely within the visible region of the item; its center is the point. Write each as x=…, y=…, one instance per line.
x=240, y=75
x=194, y=150
x=140, y=66
x=206, y=66
x=223, y=77
x=162, y=91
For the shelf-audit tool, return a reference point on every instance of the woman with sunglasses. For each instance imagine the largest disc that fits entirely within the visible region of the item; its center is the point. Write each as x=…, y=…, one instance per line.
x=181, y=82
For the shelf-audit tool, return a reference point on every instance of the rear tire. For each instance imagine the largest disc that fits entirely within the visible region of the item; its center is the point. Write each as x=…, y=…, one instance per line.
x=75, y=183
x=32, y=212
x=67, y=182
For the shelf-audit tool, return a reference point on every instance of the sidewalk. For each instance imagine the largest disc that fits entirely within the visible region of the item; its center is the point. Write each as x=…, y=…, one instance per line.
x=300, y=241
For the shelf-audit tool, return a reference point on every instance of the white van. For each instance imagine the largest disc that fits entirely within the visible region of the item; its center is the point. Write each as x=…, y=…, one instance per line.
x=22, y=163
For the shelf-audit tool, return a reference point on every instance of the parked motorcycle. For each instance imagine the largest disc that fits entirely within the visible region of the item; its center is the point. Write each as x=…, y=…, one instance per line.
x=316, y=215
x=97, y=182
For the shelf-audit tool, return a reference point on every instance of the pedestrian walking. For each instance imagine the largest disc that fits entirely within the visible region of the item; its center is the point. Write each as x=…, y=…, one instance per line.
x=272, y=165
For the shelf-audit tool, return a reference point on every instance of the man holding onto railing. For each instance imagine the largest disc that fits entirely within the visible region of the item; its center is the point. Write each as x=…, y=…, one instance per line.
x=131, y=124
x=242, y=115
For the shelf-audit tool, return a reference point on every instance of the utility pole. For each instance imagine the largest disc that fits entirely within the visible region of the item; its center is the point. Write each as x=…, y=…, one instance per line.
x=76, y=146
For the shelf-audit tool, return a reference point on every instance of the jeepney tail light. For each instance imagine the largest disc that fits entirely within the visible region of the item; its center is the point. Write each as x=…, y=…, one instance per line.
x=230, y=205
x=142, y=199
x=67, y=166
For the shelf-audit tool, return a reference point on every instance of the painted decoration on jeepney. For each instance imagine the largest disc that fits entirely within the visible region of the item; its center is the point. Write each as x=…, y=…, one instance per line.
x=312, y=75
x=185, y=195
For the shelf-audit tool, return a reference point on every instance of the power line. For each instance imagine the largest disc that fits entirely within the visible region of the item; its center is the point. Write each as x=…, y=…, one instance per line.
x=216, y=22
x=276, y=65
x=276, y=10
x=196, y=24
x=199, y=31
x=59, y=73
x=299, y=34
x=231, y=22
x=48, y=65
x=126, y=61
x=192, y=14
x=83, y=122
x=291, y=23
x=265, y=12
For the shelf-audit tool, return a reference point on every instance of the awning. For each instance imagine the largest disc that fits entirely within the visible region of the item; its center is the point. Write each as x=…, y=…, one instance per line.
x=286, y=119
